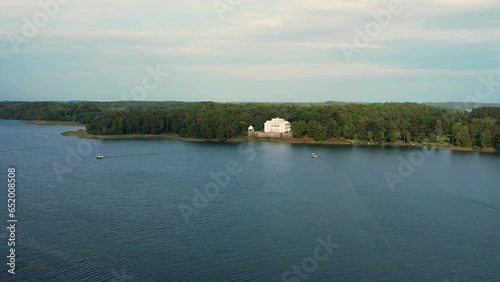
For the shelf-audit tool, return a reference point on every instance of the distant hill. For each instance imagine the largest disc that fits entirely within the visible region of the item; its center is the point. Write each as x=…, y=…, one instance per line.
x=462, y=105
x=345, y=103
x=445, y=105
x=174, y=104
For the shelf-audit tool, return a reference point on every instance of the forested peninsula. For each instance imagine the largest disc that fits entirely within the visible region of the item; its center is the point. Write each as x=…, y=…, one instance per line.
x=375, y=123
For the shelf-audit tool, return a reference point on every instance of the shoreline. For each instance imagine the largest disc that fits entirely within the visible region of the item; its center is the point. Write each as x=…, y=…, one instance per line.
x=243, y=139
x=53, y=122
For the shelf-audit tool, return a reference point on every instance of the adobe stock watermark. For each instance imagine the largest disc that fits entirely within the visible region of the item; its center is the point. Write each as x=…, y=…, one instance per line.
x=483, y=91
x=222, y=7
x=407, y=167
x=220, y=180
x=309, y=265
x=372, y=29
x=150, y=82
x=31, y=27
x=75, y=157
x=121, y=277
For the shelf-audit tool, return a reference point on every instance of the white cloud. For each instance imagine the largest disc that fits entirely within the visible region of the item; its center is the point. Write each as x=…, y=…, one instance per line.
x=292, y=22
x=282, y=30
x=272, y=72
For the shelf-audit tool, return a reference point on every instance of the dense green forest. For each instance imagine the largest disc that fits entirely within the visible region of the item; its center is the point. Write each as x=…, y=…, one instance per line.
x=378, y=123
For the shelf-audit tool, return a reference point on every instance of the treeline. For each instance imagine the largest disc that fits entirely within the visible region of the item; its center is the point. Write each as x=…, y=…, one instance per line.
x=377, y=123
x=206, y=120
x=83, y=112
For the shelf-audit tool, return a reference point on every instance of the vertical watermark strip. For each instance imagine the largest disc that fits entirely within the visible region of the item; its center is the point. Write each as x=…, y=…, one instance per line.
x=12, y=219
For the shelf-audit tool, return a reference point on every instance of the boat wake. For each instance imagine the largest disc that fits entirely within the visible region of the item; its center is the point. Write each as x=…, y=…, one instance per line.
x=135, y=155
x=484, y=205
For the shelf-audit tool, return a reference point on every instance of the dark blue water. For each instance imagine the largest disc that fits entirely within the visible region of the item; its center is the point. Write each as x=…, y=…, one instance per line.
x=118, y=219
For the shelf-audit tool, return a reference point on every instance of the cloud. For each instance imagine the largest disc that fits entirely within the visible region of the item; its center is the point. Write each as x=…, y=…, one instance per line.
x=285, y=72
x=275, y=40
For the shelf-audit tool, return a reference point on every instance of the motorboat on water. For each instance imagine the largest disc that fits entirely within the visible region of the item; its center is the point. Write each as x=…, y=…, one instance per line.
x=314, y=155
x=99, y=156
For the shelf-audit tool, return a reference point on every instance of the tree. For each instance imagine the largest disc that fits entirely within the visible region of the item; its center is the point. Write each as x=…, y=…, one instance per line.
x=438, y=130
x=406, y=131
x=379, y=136
x=369, y=136
x=455, y=132
x=242, y=127
x=393, y=134
x=331, y=128
x=463, y=137
x=482, y=131
x=299, y=128
x=496, y=137
x=486, y=139
x=316, y=130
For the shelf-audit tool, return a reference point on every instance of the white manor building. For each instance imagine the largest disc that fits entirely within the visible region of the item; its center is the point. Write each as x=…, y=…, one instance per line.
x=277, y=125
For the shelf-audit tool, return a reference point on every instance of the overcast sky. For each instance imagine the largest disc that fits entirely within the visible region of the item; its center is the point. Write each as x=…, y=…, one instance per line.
x=256, y=50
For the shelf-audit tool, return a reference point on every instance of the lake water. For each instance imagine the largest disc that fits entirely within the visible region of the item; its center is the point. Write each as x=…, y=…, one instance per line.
x=118, y=219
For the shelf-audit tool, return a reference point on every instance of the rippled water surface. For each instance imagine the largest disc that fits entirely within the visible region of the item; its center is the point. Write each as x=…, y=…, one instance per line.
x=118, y=219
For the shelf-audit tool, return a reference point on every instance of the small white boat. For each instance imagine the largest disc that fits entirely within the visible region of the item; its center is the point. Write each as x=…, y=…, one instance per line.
x=314, y=155
x=99, y=156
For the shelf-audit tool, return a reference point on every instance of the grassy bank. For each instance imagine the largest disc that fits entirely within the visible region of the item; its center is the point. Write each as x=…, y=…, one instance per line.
x=242, y=139
x=83, y=134
x=52, y=122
